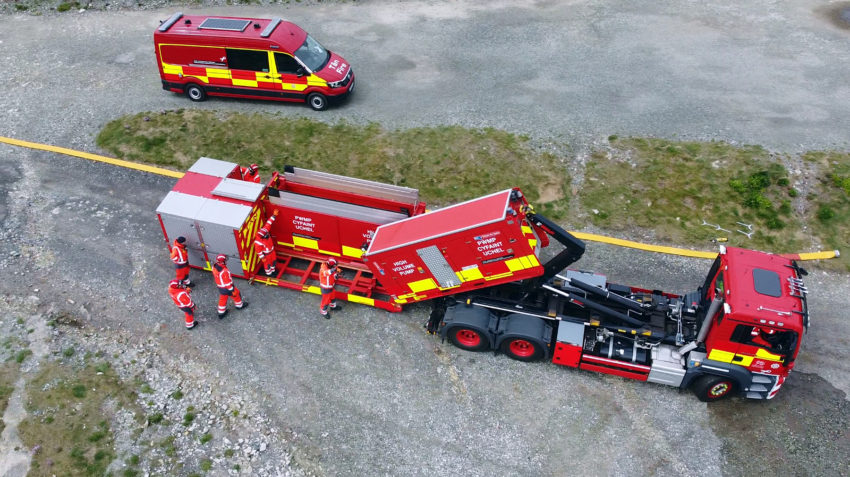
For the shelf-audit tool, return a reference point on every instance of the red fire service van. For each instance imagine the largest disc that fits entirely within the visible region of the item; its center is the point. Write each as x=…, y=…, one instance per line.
x=248, y=58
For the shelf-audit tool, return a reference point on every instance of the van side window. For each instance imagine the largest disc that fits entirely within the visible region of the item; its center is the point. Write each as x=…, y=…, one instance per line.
x=286, y=64
x=248, y=60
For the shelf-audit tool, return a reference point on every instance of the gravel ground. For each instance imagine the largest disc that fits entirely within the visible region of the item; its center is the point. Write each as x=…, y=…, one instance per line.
x=368, y=393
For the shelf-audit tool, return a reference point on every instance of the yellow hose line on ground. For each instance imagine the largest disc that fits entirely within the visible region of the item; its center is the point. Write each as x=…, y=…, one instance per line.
x=643, y=246
x=580, y=235
x=93, y=157
x=692, y=253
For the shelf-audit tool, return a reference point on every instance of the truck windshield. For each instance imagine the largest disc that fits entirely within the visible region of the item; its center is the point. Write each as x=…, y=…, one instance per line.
x=312, y=54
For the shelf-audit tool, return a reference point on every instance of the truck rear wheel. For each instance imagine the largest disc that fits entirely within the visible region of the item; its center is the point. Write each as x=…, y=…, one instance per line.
x=317, y=101
x=195, y=92
x=522, y=349
x=468, y=338
x=713, y=388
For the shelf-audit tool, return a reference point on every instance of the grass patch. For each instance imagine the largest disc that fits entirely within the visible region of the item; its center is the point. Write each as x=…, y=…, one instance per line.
x=205, y=438
x=21, y=355
x=830, y=202
x=177, y=395
x=671, y=187
x=67, y=408
x=8, y=375
x=447, y=164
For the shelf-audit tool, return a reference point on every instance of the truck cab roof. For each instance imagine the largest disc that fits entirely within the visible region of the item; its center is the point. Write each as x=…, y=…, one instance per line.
x=763, y=289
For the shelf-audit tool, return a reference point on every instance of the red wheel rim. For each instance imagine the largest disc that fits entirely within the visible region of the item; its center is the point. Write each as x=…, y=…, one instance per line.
x=522, y=348
x=468, y=338
x=720, y=389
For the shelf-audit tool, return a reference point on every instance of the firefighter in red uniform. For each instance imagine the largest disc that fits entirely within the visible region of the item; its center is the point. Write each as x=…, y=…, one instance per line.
x=226, y=289
x=251, y=173
x=264, y=246
x=328, y=274
x=180, y=294
x=181, y=260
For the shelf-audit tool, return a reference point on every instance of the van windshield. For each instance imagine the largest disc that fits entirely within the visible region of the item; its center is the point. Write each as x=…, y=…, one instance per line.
x=312, y=54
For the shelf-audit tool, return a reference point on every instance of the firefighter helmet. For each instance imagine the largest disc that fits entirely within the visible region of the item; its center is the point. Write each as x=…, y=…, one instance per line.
x=253, y=168
x=181, y=240
x=332, y=262
x=221, y=258
x=176, y=284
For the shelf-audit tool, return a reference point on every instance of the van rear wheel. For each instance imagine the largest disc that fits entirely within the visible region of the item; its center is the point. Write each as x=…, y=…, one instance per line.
x=317, y=101
x=195, y=92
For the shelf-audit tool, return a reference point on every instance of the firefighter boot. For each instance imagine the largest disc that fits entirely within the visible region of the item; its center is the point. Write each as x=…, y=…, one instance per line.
x=189, y=327
x=324, y=311
x=244, y=305
x=222, y=315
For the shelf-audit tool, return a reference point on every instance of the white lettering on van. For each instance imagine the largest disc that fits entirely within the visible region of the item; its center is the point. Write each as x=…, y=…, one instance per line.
x=403, y=267
x=337, y=66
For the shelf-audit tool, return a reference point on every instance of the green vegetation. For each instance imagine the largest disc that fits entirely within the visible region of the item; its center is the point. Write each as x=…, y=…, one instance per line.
x=21, y=355
x=178, y=394
x=672, y=187
x=669, y=187
x=68, y=418
x=205, y=438
x=8, y=375
x=447, y=164
x=830, y=200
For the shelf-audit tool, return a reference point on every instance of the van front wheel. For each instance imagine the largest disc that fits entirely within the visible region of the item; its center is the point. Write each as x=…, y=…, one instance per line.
x=195, y=92
x=317, y=101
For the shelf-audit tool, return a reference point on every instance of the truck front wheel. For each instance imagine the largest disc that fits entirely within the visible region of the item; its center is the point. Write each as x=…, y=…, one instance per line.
x=195, y=92
x=713, y=388
x=521, y=349
x=468, y=338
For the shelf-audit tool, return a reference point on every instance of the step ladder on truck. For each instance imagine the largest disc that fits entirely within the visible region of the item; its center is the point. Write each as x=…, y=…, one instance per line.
x=478, y=262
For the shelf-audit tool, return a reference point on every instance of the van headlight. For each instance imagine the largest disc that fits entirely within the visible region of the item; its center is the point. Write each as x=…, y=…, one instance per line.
x=335, y=84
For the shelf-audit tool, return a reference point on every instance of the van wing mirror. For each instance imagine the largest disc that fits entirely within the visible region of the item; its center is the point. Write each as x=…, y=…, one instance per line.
x=300, y=72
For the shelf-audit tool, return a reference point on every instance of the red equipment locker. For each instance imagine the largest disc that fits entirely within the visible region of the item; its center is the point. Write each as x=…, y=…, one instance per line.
x=481, y=242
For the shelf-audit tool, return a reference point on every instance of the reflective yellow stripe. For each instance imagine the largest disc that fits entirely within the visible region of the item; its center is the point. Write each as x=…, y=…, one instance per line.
x=400, y=300
x=172, y=69
x=285, y=244
x=533, y=259
x=721, y=356
x=361, y=299
x=352, y=251
x=501, y=275
x=525, y=229
x=470, y=274
x=422, y=285
x=742, y=360
x=244, y=82
x=312, y=289
x=218, y=73
x=532, y=243
x=514, y=264
x=764, y=354
x=327, y=252
x=305, y=242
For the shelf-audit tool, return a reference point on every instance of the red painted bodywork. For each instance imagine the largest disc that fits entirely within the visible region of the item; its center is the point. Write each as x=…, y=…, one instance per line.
x=197, y=50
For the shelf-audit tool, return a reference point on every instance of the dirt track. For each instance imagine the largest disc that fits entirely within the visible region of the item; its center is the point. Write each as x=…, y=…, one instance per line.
x=369, y=393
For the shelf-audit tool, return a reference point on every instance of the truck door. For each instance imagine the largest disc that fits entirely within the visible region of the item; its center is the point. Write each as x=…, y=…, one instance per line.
x=292, y=77
x=762, y=347
x=250, y=72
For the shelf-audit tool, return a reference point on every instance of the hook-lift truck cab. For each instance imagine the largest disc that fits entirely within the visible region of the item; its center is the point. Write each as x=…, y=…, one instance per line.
x=739, y=333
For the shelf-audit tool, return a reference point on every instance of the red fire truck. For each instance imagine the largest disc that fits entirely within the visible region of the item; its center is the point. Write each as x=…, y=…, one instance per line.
x=478, y=262
x=248, y=58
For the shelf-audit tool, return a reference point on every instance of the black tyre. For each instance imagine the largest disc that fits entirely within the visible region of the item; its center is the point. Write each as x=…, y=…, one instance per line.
x=195, y=92
x=522, y=349
x=317, y=101
x=713, y=388
x=468, y=338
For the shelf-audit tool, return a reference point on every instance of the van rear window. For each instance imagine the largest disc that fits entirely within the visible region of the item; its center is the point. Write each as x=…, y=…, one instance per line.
x=250, y=60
